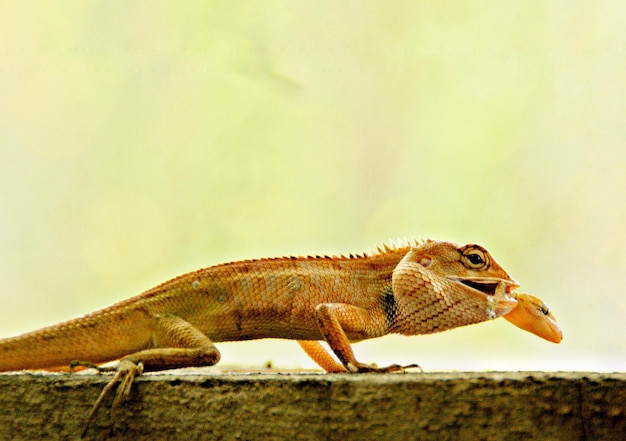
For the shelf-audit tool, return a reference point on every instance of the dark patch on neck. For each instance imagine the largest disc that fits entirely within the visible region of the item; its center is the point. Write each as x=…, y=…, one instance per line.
x=388, y=302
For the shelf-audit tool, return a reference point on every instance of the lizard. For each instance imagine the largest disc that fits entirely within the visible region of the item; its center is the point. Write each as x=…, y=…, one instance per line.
x=411, y=288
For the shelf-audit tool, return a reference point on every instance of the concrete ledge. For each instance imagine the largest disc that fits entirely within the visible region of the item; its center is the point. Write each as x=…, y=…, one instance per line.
x=294, y=406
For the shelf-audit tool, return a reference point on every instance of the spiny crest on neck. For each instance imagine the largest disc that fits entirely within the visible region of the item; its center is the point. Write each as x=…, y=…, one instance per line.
x=396, y=245
x=382, y=249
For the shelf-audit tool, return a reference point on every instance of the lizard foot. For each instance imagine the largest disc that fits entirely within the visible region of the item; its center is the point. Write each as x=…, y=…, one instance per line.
x=126, y=372
x=362, y=368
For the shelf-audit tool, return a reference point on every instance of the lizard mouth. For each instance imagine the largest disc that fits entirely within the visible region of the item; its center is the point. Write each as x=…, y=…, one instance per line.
x=489, y=287
x=498, y=294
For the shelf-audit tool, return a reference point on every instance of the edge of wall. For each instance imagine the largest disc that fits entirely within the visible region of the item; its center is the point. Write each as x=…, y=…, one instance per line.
x=277, y=406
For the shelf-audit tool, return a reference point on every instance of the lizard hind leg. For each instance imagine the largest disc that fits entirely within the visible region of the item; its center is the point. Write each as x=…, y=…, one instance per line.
x=178, y=344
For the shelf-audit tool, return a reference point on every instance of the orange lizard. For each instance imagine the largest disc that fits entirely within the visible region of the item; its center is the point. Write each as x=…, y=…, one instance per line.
x=415, y=288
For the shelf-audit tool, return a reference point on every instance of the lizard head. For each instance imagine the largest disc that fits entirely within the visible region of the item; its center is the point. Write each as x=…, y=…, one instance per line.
x=470, y=265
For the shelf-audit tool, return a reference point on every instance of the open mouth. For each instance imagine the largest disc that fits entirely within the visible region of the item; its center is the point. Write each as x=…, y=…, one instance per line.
x=488, y=288
x=498, y=294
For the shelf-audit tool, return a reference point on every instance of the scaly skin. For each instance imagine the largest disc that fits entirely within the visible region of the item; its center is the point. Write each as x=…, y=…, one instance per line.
x=412, y=289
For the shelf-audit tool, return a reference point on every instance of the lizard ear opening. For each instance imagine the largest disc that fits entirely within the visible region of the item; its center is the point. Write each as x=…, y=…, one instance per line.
x=425, y=261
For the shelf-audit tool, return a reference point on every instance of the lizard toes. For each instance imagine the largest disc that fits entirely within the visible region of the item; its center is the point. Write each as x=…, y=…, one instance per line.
x=391, y=368
x=127, y=372
x=79, y=364
x=412, y=366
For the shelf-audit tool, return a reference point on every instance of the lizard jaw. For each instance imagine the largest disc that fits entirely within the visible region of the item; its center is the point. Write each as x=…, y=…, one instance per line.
x=498, y=293
x=488, y=286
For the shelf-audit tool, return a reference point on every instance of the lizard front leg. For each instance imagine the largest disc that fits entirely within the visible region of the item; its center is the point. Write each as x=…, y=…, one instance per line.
x=177, y=344
x=334, y=319
x=320, y=355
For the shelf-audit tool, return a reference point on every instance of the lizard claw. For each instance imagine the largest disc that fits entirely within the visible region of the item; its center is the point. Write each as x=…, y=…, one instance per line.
x=398, y=368
x=127, y=370
x=412, y=366
x=89, y=365
x=363, y=368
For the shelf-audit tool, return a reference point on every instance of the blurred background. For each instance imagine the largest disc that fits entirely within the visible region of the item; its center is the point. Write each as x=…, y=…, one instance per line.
x=140, y=140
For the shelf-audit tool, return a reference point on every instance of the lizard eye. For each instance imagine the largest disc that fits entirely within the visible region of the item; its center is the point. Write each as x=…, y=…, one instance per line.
x=475, y=258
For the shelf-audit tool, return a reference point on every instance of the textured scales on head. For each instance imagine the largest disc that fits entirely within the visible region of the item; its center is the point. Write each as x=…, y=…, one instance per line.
x=469, y=263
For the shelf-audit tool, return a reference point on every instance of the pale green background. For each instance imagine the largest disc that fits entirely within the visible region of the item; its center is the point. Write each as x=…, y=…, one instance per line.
x=140, y=140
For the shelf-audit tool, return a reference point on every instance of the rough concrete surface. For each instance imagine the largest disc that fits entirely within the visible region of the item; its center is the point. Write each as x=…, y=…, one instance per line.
x=308, y=406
